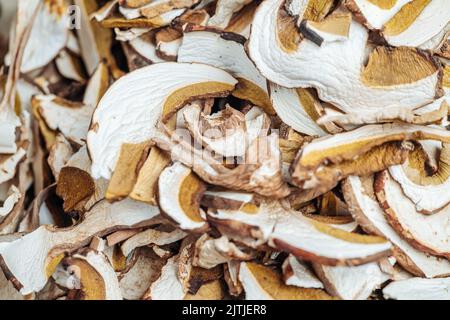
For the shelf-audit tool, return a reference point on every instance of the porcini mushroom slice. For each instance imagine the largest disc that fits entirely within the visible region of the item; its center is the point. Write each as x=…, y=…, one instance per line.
x=70, y=66
x=227, y=133
x=297, y=273
x=363, y=205
x=105, y=11
x=429, y=233
x=180, y=191
x=8, y=200
x=374, y=14
x=256, y=223
x=95, y=42
x=418, y=289
x=136, y=281
x=60, y=153
x=369, y=94
x=226, y=51
x=9, y=164
x=97, y=85
x=171, y=85
x=51, y=22
x=97, y=278
x=168, y=286
x=407, y=27
x=315, y=241
x=367, y=145
x=351, y=283
x=130, y=161
x=146, y=48
x=210, y=252
x=263, y=283
x=76, y=186
x=224, y=11
x=70, y=118
x=296, y=107
x=149, y=237
x=429, y=193
x=261, y=172
x=45, y=247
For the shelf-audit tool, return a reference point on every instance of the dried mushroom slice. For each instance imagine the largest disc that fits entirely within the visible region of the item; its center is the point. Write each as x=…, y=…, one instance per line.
x=51, y=21
x=363, y=205
x=9, y=198
x=351, y=283
x=180, y=191
x=427, y=233
x=168, y=286
x=228, y=132
x=171, y=86
x=416, y=23
x=44, y=248
x=254, y=224
x=224, y=12
x=70, y=66
x=151, y=237
x=297, y=273
x=229, y=200
x=95, y=275
x=418, y=289
x=373, y=13
x=263, y=283
x=59, y=154
x=261, y=173
x=319, y=242
x=429, y=192
x=146, y=48
x=383, y=88
x=324, y=162
x=105, y=11
x=136, y=281
x=97, y=85
x=210, y=252
x=70, y=118
x=76, y=186
x=226, y=51
x=298, y=109
x=9, y=163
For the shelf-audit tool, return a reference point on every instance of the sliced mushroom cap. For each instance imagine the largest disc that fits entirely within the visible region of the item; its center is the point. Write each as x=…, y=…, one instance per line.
x=363, y=205
x=226, y=51
x=44, y=248
x=323, y=162
x=418, y=289
x=60, y=153
x=9, y=199
x=428, y=192
x=374, y=14
x=297, y=108
x=297, y=273
x=369, y=93
x=228, y=200
x=224, y=12
x=416, y=23
x=97, y=278
x=180, y=191
x=171, y=86
x=351, y=283
x=97, y=85
x=263, y=283
x=9, y=164
x=429, y=233
x=210, y=252
x=256, y=223
x=318, y=242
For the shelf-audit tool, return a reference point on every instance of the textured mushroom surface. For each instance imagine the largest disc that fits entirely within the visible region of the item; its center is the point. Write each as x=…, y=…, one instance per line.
x=224, y=149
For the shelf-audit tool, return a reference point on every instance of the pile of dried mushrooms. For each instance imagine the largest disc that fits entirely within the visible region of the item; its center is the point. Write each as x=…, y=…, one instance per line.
x=225, y=149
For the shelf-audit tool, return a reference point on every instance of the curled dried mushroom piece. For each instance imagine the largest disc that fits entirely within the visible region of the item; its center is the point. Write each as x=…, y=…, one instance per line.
x=212, y=150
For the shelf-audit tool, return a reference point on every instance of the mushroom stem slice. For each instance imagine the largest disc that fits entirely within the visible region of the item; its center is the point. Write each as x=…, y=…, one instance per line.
x=359, y=194
x=418, y=289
